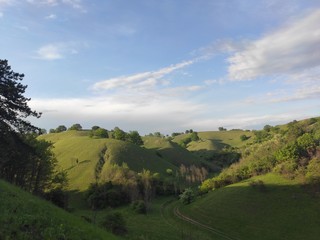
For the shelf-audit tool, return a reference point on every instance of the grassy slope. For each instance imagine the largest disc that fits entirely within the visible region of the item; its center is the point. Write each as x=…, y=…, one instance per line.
x=216, y=140
x=23, y=216
x=171, y=151
x=283, y=211
x=72, y=146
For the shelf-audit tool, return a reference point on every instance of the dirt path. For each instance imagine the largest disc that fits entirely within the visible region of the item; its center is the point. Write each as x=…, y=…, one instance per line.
x=194, y=222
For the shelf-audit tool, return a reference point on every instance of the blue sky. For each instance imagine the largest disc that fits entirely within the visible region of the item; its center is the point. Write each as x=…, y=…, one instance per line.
x=165, y=65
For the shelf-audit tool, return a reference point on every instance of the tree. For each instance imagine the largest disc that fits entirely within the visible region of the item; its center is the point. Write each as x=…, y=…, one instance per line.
x=14, y=110
x=146, y=181
x=135, y=138
x=76, y=127
x=95, y=128
x=187, y=196
x=115, y=223
x=14, y=107
x=119, y=134
x=194, y=136
x=100, y=133
x=61, y=128
x=243, y=137
x=222, y=129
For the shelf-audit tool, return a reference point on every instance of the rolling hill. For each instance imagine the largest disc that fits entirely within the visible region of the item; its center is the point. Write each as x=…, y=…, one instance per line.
x=24, y=216
x=281, y=209
x=79, y=155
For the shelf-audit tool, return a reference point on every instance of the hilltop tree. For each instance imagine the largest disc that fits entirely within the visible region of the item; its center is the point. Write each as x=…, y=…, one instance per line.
x=135, y=138
x=99, y=133
x=61, y=128
x=119, y=134
x=76, y=127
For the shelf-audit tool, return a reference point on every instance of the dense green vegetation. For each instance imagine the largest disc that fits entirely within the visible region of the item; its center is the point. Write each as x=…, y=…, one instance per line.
x=23, y=216
x=292, y=150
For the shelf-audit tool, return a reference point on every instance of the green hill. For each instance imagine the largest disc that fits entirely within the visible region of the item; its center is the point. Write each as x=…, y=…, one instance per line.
x=24, y=216
x=79, y=154
x=171, y=151
x=280, y=209
x=217, y=140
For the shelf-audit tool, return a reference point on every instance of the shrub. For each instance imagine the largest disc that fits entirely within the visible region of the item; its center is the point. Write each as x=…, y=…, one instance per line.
x=139, y=207
x=259, y=185
x=243, y=137
x=187, y=196
x=115, y=223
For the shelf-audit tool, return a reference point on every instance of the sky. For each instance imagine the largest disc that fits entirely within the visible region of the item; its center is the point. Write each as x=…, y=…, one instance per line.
x=168, y=65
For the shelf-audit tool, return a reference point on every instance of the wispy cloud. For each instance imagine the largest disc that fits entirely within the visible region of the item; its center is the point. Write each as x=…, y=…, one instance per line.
x=1, y=14
x=144, y=79
x=51, y=16
x=135, y=112
x=291, y=48
x=6, y=2
x=76, y=4
x=56, y=51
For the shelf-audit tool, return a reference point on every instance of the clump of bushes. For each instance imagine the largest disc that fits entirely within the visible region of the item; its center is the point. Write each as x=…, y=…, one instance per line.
x=115, y=223
x=139, y=207
x=259, y=185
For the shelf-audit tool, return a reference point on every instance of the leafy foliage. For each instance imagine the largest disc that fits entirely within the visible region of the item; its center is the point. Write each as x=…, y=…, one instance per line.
x=76, y=127
x=187, y=196
x=115, y=223
x=293, y=152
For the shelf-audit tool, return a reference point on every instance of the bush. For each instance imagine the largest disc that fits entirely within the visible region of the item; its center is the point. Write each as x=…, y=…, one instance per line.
x=139, y=207
x=244, y=137
x=259, y=185
x=58, y=197
x=187, y=196
x=115, y=223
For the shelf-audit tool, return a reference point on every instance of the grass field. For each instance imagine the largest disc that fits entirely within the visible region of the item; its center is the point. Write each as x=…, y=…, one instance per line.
x=159, y=223
x=79, y=154
x=283, y=210
x=23, y=216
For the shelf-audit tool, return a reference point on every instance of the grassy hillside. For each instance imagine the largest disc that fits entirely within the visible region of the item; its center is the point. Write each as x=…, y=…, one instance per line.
x=217, y=140
x=23, y=216
x=171, y=151
x=79, y=154
x=281, y=210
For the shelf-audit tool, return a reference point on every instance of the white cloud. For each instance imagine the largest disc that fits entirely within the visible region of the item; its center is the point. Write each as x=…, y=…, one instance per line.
x=245, y=121
x=6, y=2
x=131, y=112
x=1, y=14
x=289, y=49
x=51, y=16
x=44, y=2
x=50, y=52
x=56, y=51
x=210, y=82
x=144, y=79
x=304, y=93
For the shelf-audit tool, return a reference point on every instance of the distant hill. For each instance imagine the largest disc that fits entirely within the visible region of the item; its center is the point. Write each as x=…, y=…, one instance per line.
x=24, y=216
